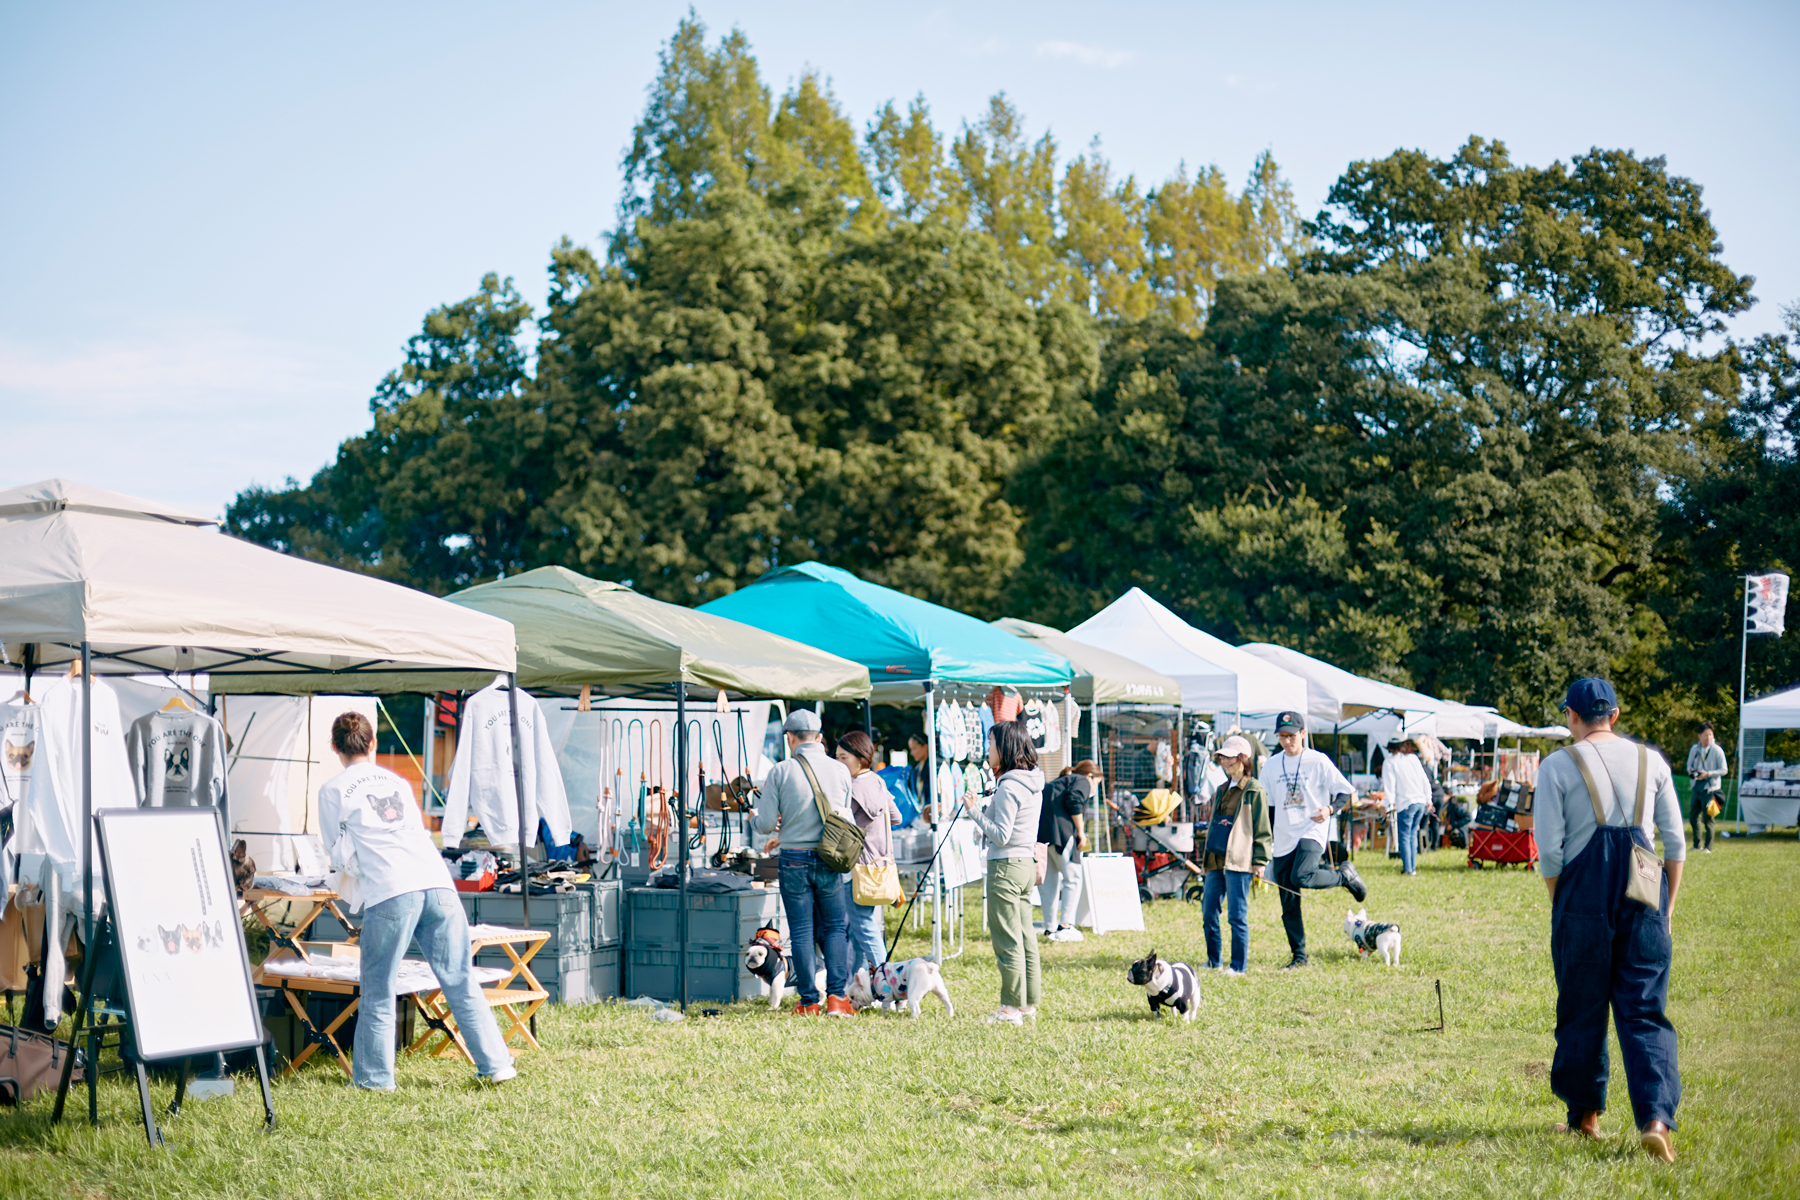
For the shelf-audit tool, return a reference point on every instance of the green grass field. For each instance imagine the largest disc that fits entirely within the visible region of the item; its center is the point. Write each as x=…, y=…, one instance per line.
x=1324, y=1083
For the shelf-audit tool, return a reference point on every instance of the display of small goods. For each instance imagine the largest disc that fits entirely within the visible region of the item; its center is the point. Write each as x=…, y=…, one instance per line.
x=1773, y=777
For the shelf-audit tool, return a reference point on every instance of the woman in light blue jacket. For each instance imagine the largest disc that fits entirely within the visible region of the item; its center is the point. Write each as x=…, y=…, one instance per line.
x=1009, y=823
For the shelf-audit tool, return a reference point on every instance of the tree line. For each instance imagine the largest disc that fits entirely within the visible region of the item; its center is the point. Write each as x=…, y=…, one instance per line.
x=1477, y=427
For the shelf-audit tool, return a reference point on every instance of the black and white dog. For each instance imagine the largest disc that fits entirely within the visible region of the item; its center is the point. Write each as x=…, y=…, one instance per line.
x=765, y=959
x=1171, y=985
x=1381, y=938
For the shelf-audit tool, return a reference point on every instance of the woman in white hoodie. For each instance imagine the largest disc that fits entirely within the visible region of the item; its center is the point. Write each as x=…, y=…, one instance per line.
x=1009, y=823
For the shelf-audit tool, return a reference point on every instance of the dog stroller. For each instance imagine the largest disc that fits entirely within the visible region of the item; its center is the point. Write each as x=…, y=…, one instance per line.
x=1502, y=846
x=1160, y=851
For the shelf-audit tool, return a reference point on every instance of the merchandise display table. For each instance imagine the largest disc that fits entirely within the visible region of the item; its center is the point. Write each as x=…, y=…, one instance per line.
x=505, y=991
x=335, y=969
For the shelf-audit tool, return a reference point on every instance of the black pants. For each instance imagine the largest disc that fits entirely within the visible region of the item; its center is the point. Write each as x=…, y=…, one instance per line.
x=1702, y=817
x=1300, y=868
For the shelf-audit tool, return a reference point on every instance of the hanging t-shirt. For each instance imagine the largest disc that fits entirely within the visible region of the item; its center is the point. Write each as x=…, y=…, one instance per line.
x=481, y=777
x=1299, y=786
x=972, y=731
x=177, y=759
x=22, y=771
x=60, y=826
x=1034, y=723
x=1052, y=726
x=394, y=854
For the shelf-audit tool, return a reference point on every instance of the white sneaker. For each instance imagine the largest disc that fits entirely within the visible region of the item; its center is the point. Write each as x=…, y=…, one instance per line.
x=1007, y=1016
x=1229, y=971
x=1067, y=933
x=1030, y=1011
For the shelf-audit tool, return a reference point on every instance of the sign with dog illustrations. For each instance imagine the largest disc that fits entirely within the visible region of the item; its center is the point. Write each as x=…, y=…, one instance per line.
x=174, y=911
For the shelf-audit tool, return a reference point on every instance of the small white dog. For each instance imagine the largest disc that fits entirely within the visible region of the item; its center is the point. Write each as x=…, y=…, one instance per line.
x=765, y=959
x=893, y=984
x=1383, y=939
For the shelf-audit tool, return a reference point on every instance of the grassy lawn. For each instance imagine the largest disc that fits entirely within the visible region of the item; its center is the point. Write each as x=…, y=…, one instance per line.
x=1322, y=1083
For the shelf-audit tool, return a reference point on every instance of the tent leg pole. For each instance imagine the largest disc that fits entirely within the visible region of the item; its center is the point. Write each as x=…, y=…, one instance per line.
x=1743, y=666
x=681, y=852
x=935, y=876
x=87, y=802
x=518, y=765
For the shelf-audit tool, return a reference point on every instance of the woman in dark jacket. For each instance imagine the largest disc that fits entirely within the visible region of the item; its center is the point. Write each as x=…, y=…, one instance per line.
x=1237, y=846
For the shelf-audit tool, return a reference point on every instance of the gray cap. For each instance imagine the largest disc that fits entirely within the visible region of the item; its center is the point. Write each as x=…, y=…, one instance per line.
x=801, y=720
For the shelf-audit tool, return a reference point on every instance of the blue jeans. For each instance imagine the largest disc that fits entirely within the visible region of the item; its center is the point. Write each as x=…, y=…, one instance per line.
x=1060, y=893
x=435, y=917
x=867, y=942
x=1232, y=887
x=814, y=900
x=1407, y=831
x=1610, y=951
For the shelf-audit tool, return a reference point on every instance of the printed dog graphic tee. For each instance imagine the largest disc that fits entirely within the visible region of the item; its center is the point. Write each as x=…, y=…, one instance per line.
x=177, y=759
x=394, y=851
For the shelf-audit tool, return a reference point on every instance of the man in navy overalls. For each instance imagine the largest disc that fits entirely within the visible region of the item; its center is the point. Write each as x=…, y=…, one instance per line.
x=1608, y=950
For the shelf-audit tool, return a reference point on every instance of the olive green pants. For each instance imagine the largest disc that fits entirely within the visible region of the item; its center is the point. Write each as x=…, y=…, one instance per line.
x=1009, y=884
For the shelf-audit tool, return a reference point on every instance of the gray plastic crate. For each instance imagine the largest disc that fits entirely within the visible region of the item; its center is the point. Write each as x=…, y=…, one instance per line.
x=606, y=912
x=715, y=920
x=567, y=915
x=712, y=975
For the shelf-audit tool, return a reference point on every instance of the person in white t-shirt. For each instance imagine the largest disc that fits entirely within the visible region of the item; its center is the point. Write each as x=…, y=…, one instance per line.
x=1408, y=792
x=368, y=817
x=1302, y=783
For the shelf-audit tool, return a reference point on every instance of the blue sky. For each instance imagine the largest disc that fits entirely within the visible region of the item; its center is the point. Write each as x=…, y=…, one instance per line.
x=220, y=223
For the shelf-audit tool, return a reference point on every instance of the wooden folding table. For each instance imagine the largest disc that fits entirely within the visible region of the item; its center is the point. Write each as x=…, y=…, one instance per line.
x=504, y=993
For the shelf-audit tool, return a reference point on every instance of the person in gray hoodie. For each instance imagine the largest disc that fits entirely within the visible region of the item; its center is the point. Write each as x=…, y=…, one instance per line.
x=1009, y=823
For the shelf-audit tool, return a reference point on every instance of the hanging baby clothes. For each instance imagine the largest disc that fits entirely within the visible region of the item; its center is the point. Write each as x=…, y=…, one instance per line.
x=177, y=760
x=481, y=777
x=21, y=749
x=1165, y=762
x=58, y=817
x=972, y=732
x=1034, y=723
x=946, y=739
x=1005, y=703
x=986, y=715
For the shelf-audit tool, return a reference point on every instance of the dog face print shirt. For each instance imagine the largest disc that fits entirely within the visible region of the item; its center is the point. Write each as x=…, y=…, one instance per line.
x=376, y=809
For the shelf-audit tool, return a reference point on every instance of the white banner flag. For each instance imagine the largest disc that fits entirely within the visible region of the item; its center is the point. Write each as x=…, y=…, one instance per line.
x=1765, y=604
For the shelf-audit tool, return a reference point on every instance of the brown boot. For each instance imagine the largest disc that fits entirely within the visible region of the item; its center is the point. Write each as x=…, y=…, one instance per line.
x=1588, y=1127
x=1657, y=1142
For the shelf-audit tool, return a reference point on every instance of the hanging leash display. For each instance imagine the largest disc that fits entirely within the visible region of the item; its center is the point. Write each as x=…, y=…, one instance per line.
x=634, y=838
x=697, y=838
x=656, y=826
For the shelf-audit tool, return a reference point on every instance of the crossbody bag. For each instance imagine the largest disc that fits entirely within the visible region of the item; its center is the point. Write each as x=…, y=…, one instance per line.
x=1643, y=883
x=841, y=841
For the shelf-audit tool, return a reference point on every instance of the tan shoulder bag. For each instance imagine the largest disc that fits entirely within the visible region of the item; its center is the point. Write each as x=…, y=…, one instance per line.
x=1644, y=882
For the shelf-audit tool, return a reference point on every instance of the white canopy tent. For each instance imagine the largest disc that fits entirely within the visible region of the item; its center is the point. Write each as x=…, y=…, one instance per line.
x=1215, y=676
x=1777, y=710
x=128, y=586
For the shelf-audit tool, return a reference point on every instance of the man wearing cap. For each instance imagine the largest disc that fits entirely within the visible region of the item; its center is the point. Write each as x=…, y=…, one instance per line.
x=1302, y=783
x=1596, y=800
x=812, y=896
x=1237, y=847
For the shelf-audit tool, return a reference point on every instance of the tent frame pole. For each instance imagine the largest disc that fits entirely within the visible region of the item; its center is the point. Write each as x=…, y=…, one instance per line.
x=87, y=801
x=518, y=773
x=681, y=820
x=935, y=877
x=1743, y=666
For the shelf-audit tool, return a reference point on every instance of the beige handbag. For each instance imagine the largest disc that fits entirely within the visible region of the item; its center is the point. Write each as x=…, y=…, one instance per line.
x=1644, y=882
x=875, y=884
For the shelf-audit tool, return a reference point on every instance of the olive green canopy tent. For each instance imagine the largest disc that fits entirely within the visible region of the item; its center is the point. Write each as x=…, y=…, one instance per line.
x=1101, y=677
x=574, y=631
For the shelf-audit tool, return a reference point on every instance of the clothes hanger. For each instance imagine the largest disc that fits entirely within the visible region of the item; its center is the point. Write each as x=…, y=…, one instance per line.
x=177, y=703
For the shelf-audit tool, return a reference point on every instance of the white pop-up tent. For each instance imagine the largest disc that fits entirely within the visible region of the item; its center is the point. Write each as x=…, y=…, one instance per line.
x=1777, y=710
x=128, y=586
x=1765, y=804
x=1215, y=676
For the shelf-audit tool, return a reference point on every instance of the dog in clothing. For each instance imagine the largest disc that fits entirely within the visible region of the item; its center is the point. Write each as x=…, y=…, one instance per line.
x=765, y=959
x=1167, y=984
x=1373, y=938
x=893, y=984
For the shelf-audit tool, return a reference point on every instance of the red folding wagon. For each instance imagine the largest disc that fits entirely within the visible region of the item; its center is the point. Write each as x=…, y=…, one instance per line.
x=1502, y=847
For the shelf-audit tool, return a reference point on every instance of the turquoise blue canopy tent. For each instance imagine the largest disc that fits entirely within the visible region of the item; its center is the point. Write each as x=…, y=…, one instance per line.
x=904, y=641
x=915, y=651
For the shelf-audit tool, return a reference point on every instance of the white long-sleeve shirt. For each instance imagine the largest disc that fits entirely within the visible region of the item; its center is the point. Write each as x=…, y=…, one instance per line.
x=1404, y=782
x=374, y=808
x=177, y=760
x=481, y=777
x=58, y=818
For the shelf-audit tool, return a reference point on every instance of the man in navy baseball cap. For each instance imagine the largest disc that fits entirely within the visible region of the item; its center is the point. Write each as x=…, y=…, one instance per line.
x=1590, y=699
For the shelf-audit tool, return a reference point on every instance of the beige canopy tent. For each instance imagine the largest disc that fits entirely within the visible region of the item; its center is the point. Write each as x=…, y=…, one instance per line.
x=149, y=588
x=574, y=631
x=1101, y=677
x=129, y=586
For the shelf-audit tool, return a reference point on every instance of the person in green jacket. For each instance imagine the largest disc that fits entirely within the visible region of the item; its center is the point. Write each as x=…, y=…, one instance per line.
x=1237, y=846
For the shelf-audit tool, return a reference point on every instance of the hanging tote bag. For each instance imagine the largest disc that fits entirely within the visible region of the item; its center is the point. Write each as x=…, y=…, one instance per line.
x=875, y=884
x=841, y=842
x=1643, y=883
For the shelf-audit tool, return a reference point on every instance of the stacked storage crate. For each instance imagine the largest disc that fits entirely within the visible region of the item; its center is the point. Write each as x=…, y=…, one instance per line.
x=720, y=925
